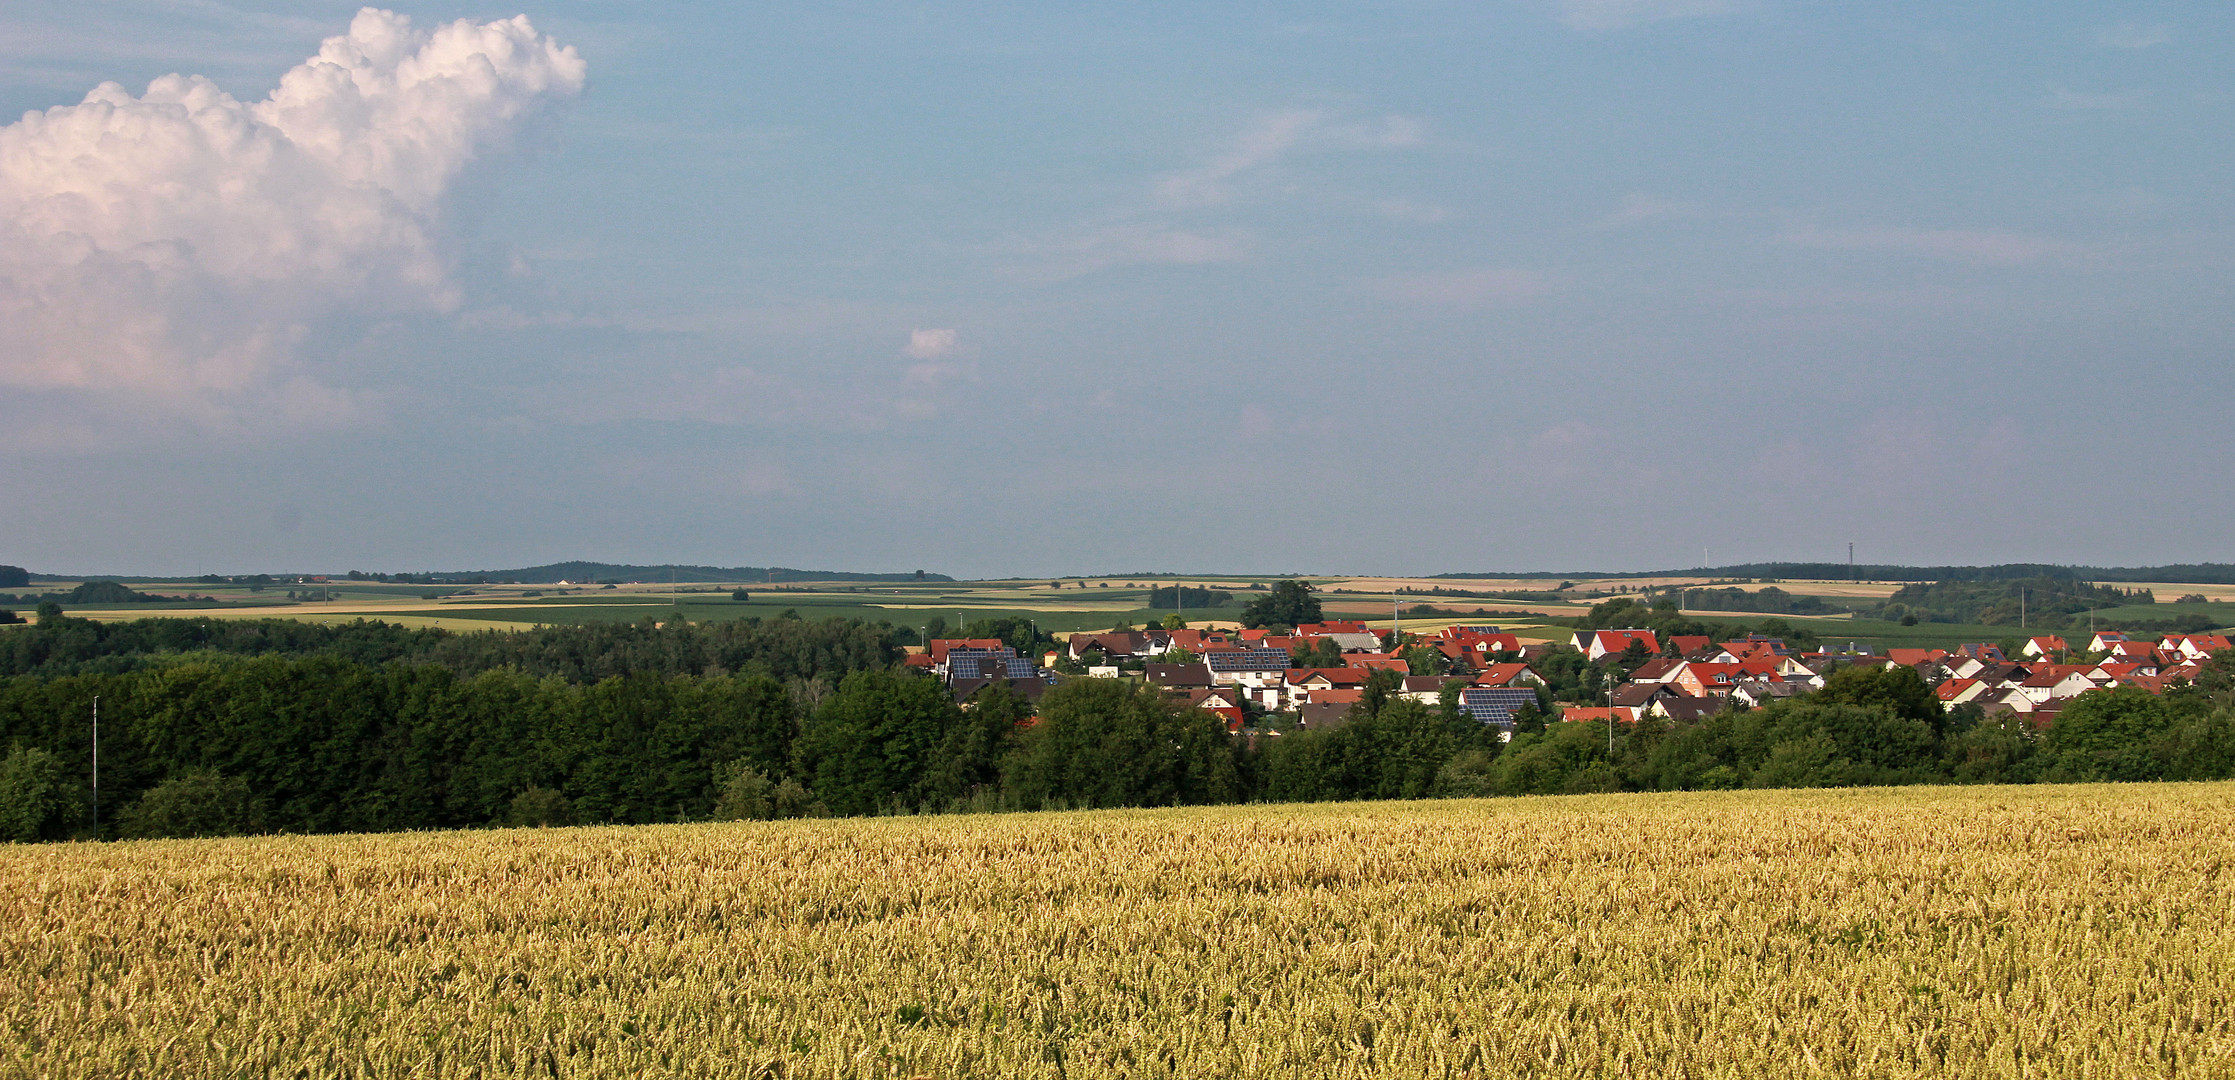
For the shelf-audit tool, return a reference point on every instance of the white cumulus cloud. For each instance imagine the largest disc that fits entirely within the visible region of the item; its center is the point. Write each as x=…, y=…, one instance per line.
x=179, y=245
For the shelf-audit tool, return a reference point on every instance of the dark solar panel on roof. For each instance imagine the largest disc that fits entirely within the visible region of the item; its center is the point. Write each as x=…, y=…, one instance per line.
x=1495, y=704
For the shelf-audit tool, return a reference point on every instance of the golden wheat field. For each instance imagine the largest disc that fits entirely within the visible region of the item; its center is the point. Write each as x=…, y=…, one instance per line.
x=2052, y=932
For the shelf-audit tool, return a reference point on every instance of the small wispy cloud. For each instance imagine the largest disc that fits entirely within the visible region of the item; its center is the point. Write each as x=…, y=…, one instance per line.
x=2134, y=36
x=1468, y=289
x=1982, y=247
x=2076, y=99
x=1278, y=135
x=930, y=344
x=1070, y=255
x=1637, y=208
x=1412, y=213
x=1622, y=14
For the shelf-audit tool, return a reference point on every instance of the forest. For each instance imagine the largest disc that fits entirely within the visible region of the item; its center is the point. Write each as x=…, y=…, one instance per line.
x=212, y=728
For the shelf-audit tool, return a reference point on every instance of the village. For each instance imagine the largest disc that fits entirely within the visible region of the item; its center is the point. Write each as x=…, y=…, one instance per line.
x=1311, y=676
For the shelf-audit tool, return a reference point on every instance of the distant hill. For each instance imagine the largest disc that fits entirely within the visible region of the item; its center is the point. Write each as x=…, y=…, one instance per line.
x=597, y=571
x=2186, y=573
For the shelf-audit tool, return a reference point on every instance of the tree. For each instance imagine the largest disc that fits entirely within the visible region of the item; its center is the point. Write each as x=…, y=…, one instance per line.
x=540, y=807
x=14, y=577
x=1899, y=690
x=1104, y=742
x=740, y=595
x=1174, y=622
x=36, y=801
x=869, y=745
x=743, y=793
x=1289, y=603
x=1321, y=652
x=197, y=803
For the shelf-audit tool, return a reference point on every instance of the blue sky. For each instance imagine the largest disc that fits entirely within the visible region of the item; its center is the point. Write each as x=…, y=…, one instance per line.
x=1044, y=289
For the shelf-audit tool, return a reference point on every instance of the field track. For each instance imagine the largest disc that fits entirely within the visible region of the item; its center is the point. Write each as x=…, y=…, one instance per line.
x=2041, y=931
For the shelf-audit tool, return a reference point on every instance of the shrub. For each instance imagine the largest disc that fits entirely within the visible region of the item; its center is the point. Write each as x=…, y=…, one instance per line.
x=541, y=807
x=198, y=803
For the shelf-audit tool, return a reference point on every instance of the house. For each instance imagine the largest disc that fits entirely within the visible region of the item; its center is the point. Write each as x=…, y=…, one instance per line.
x=2201, y=646
x=1225, y=702
x=1303, y=685
x=1598, y=644
x=1577, y=714
x=1117, y=646
x=1253, y=668
x=1003, y=663
x=1711, y=680
x=1337, y=626
x=1179, y=676
x=2104, y=639
x=2044, y=648
x=2055, y=681
x=1756, y=693
x=1363, y=642
x=1912, y=658
x=1480, y=639
x=1657, y=670
x=1508, y=675
x=1687, y=644
x=1961, y=665
x=1954, y=692
x=1635, y=696
x=1197, y=641
x=1029, y=688
x=2005, y=675
x=1685, y=708
x=939, y=648
x=1323, y=714
x=1983, y=651
x=1427, y=689
x=1377, y=662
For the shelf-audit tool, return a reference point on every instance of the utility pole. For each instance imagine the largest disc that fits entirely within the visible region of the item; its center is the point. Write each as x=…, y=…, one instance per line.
x=1850, y=560
x=96, y=766
x=1610, y=721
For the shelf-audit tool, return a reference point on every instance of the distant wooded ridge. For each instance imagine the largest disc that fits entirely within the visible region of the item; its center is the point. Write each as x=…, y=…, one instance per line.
x=2182, y=573
x=576, y=572
x=579, y=572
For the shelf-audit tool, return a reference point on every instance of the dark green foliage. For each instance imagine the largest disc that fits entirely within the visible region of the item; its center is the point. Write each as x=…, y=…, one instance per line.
x=14, y=577
x=38, y=801
x=1186, y=596
x=1288, y=603
x=1102, y=742
x=540, y=807
x=2047, y=602
x=1898, y=690
x=1389, y=748
x=1769, y=600
x=784, y=648
x=195, y=803
x=1318, y=654
x=868, y=748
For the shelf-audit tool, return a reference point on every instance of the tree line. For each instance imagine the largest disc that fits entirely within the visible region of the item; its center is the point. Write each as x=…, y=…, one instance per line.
x=368, y=727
